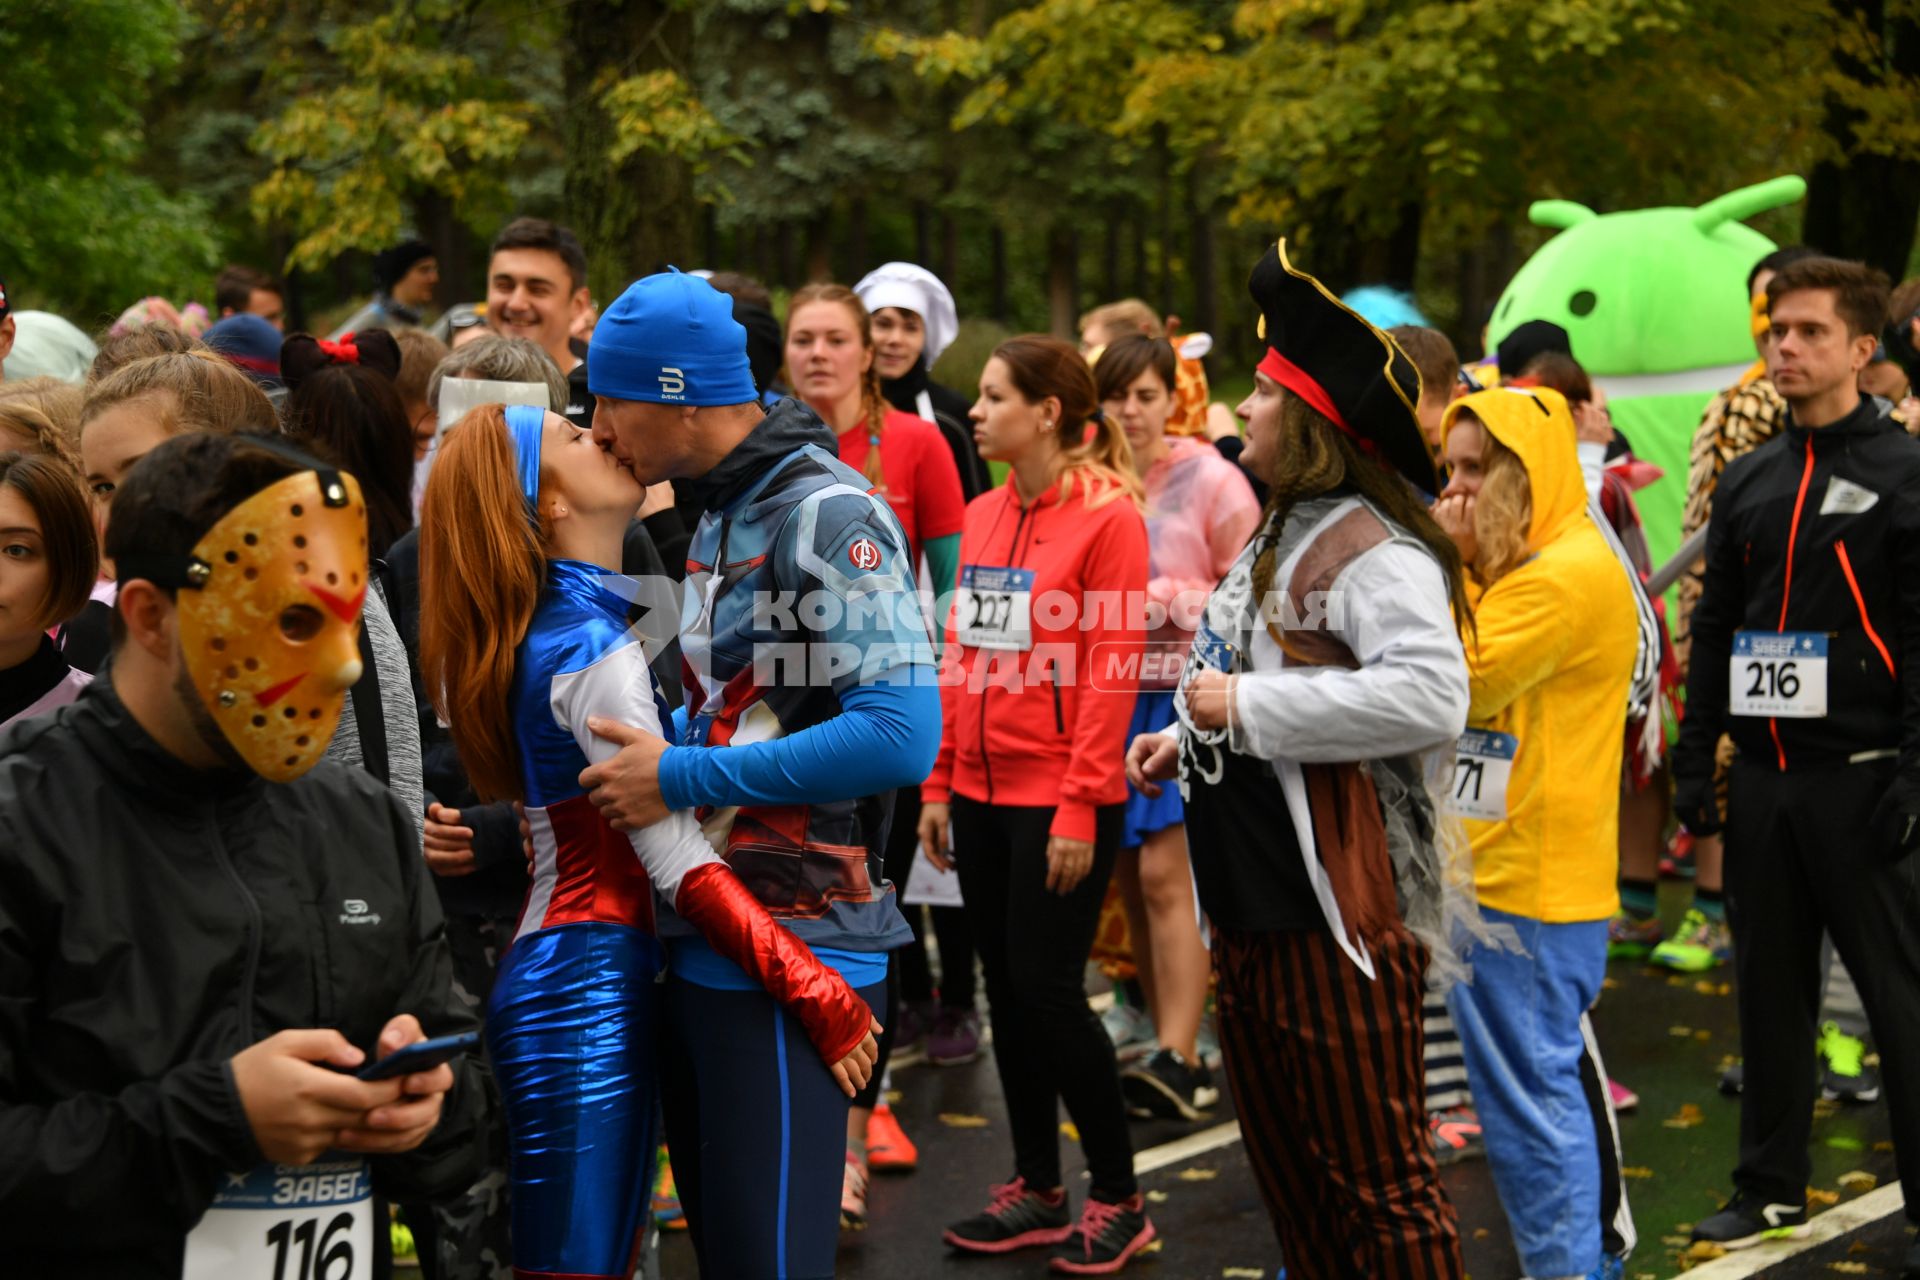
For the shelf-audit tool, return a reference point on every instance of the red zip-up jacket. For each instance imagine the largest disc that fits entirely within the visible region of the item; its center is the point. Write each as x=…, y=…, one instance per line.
x=1046, y=725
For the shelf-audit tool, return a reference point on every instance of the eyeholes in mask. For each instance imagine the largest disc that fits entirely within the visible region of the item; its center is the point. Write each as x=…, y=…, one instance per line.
x=300, y=623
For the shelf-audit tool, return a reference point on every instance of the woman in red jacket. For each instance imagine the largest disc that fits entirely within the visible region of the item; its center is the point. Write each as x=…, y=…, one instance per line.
x=1041, y=668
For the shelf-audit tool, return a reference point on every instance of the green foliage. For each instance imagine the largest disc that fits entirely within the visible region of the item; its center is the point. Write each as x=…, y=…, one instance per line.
x=388, y=115
x=83, y=229
x=659, y=112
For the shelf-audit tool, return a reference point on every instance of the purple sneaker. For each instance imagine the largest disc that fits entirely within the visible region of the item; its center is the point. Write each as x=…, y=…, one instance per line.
x=954, y=1039
x=911, y=1029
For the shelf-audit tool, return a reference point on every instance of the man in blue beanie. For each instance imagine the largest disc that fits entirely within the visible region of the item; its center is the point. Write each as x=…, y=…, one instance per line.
x=810, y=697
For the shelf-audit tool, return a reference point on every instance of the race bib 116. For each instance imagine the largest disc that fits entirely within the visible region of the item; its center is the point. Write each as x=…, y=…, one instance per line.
x=287, y=1222
x=1782, y=674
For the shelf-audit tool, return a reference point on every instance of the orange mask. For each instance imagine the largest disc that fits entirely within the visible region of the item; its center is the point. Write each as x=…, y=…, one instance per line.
x=270, y=618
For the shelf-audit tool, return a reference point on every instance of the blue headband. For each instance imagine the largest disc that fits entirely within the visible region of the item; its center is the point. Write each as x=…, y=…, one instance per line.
x=525, y=422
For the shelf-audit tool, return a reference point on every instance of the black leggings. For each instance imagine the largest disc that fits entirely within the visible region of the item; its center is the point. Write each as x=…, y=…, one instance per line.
x=869, y=1095
x=1048, y=1046
x=950, y=925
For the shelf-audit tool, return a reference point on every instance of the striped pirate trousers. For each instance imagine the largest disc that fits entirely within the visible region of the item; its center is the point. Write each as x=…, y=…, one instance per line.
x=1325, y=1067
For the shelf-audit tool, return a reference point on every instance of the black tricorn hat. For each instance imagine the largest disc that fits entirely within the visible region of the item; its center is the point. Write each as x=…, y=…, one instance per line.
x=1324, y=352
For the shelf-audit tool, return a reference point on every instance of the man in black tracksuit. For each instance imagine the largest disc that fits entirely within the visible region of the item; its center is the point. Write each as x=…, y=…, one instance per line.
x=186, y=948
x=1806, y=651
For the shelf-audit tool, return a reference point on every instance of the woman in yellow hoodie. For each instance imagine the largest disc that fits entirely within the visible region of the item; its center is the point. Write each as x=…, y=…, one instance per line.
x=1537, y=785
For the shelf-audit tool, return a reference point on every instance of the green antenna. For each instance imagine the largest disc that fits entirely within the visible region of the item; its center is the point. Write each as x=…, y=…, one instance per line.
x=1738, y=206
x=1559, y=213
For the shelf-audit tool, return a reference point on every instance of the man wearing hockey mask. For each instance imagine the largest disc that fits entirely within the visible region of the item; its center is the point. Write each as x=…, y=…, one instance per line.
x=205, y=929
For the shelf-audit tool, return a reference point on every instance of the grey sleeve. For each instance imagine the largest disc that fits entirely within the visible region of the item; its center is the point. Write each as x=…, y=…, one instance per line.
x=396, y=700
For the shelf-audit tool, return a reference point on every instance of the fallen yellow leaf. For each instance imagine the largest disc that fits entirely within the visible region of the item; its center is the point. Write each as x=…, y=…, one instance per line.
x=1242, y=1273
x=1702, y=1250
x=1858, y=1180
x=1687, y=1117
x=957, y=1120
x=1157, y=1197
x=1635, y=1171
x=1680, y=1033
x=1848, y=1268
x=1067, y=1128
x=1817, y=1196
x=1199, y=1175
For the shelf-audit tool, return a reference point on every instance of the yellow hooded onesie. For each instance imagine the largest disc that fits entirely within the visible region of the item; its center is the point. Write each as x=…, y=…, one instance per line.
x=1552, y=669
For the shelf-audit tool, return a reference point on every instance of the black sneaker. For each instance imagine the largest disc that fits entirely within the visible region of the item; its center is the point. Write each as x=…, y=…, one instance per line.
x=1167, y=1086
x=1104, y=1238
x=1018, y=1217
x=1844, y=1073
x=1747, y=1220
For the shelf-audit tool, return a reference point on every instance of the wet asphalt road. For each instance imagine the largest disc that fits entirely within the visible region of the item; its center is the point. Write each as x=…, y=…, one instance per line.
x=1664, y=1035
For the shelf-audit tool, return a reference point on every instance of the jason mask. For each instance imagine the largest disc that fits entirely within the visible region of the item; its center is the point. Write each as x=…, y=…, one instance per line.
x=269, y=611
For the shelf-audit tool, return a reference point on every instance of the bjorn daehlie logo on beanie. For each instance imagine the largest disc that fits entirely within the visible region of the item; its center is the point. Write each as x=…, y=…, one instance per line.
x=673, y=383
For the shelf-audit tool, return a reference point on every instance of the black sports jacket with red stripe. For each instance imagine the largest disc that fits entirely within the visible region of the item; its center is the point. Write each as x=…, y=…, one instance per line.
x=1817, y=531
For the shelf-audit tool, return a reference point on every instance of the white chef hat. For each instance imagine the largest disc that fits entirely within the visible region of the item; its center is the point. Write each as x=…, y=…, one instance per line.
x=916, y=289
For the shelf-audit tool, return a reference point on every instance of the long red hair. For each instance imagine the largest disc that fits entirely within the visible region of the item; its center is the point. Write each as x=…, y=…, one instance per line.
x=481, y=567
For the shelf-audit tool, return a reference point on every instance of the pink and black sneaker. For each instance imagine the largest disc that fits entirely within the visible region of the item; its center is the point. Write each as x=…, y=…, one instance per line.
x=1104, y=1238
x=1018, y=1217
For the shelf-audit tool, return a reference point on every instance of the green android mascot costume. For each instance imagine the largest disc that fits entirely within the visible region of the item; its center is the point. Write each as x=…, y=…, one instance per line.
x=1654, y=302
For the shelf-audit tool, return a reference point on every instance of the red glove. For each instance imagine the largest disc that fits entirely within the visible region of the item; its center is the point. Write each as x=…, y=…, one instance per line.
x=734, y=923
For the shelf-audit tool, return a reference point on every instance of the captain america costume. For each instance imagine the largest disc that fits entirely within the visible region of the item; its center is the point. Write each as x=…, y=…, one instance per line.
x=572, y=1021
x=811, y=696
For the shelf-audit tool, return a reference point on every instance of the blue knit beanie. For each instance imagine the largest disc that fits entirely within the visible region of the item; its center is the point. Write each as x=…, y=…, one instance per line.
x=671, y=339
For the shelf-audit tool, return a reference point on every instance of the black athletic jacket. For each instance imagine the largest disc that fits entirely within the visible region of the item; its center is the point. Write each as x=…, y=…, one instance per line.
x=1816, y=530
x=155, y=920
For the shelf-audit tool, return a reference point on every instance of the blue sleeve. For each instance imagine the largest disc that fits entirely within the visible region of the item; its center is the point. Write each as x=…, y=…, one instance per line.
x=885, y=737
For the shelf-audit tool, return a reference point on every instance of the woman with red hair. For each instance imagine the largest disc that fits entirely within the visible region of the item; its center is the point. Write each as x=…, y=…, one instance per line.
x=520, y=642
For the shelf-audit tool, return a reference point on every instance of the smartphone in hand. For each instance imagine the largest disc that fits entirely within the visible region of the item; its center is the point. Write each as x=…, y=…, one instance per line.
x=421, y=1055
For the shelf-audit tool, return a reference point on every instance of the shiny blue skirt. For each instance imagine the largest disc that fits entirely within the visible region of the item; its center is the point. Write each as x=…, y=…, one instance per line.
x=570, y=1029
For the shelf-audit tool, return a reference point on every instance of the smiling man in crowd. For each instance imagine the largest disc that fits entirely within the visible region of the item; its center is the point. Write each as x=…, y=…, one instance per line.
x=536, y=288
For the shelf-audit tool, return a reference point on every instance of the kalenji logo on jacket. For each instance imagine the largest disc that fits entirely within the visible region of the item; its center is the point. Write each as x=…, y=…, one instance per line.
x=1845, y=498
x=355, y=911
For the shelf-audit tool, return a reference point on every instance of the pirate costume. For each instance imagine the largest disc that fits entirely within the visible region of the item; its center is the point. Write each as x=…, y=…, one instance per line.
x=1325, y=922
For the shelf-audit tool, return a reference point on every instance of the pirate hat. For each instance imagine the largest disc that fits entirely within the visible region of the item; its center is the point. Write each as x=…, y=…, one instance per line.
x=1323, y=352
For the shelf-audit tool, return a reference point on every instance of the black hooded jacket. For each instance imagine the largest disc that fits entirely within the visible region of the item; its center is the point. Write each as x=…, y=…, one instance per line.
x=154, y=921
x=1818, y=530
x=950, y=414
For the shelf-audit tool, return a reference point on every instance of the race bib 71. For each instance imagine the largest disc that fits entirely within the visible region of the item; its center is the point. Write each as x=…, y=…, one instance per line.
x=1482, y=767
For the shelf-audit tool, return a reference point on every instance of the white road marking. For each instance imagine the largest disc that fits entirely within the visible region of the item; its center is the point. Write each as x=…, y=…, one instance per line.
x=1879, y=1203
x=1183, y=1149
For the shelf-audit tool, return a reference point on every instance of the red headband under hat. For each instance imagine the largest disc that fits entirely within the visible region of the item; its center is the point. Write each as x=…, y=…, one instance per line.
x=1351, y=373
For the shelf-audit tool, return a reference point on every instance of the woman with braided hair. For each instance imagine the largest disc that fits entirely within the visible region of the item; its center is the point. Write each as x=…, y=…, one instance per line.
x=833, y=367
x=1326, y=671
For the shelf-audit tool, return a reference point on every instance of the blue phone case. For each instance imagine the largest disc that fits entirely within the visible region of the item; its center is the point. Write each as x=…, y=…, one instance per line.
x=421, y=1055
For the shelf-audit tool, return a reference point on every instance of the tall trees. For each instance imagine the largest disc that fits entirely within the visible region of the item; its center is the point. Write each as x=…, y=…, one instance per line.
x=81, y=226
